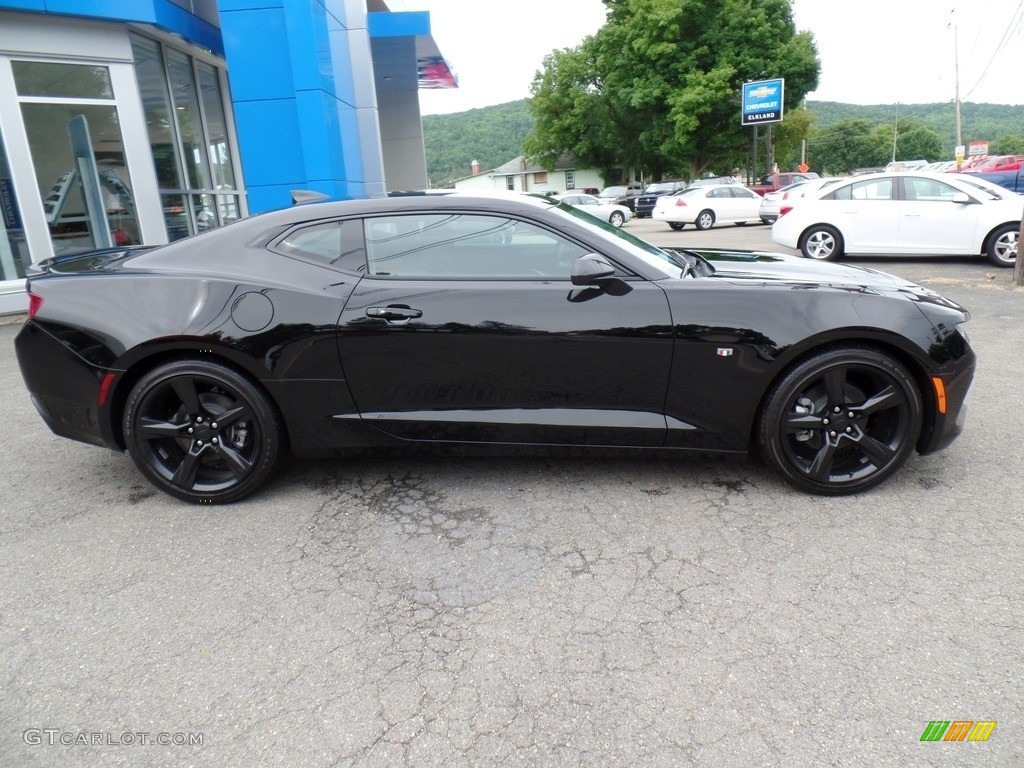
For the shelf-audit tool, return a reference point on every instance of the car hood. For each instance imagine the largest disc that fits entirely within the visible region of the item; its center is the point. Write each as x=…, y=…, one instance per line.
x=779, y=268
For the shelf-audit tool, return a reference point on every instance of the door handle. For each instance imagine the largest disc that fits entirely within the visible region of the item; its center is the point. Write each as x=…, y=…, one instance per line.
x=393, y=313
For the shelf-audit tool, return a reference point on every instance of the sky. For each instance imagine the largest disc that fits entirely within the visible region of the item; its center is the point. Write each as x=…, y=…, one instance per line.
x=871, y=51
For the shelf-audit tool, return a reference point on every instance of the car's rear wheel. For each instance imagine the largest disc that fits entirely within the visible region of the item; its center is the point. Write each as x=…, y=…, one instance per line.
x=201, y=432
x=676, y=225
x=768, y=219
x=1002, y=245
x=822, y=243
x=705, y=220
x=841, y=421
x=616, y=219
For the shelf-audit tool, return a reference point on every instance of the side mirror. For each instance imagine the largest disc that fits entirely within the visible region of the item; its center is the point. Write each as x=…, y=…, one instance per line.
x=962, y=197
x=591, y=269
x=594, y=270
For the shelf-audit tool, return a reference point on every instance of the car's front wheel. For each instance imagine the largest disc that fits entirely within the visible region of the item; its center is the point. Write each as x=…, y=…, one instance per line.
x=841, y=421
x=617, y=219
x=1002, y=245
x=705, y=220
x=822, y=242
x=202, y=432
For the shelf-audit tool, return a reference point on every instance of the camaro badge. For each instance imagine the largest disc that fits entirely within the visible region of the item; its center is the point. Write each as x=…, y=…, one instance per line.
x=725, y=351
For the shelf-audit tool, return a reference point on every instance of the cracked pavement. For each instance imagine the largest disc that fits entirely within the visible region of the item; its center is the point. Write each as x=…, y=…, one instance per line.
x=528, y=611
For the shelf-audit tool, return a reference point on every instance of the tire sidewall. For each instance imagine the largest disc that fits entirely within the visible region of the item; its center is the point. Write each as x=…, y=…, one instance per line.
x=271, y=439
x=779, y=400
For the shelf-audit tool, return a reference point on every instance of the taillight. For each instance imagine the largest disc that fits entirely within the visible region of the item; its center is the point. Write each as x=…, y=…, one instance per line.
x=35, y=301
x=681, y=202
x=784, y=209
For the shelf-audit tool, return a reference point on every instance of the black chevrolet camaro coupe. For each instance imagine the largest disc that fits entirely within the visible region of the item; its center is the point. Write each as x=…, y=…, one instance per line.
x=487, y=320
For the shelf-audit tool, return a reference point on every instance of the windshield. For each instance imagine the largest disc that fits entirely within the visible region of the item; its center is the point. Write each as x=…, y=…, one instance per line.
x=650, y=254
x=987, y=186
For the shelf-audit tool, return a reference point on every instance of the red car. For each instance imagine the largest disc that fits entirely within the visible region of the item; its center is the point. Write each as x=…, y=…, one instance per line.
x=996, y=163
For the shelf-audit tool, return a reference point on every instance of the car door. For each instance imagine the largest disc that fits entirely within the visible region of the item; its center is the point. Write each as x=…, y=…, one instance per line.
x=864, y=213
x=930, y=222
x=746, y=204
x=721, y=201
x=466, y=327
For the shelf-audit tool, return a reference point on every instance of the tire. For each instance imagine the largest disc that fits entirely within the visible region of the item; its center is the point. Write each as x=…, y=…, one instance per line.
x=676, y=225
x=767, y=219
x=841, y=421
x=741, y=223
x=1001, y=246
x=617, y=219
x=822, y=243
x=202, y=433
x=705, y=220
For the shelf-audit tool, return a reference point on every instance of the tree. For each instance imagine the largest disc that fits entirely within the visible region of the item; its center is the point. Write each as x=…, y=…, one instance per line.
x=1007, y=145
x=844, y=147
x=913, y=141
x=658, y=87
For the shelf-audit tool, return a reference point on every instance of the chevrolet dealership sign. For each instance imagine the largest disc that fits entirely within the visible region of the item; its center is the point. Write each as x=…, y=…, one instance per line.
x=762, y=102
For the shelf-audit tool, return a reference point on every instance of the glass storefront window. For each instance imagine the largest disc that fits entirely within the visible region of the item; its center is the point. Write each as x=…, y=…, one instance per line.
x=78, y=154
x=70, y=81
x=156, y=102
x=13, y=249
x=216, y=127
x=190, y=122
x=188, y=132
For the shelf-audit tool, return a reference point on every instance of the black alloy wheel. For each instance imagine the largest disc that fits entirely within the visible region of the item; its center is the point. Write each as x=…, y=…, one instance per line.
x=841, y=422
x=201, y=432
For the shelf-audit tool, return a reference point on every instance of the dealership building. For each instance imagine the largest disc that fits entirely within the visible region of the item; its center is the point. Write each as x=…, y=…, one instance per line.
x=142, y=122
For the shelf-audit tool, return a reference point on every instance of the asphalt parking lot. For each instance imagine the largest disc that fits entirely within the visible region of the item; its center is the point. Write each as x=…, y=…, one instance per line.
x=524, y=612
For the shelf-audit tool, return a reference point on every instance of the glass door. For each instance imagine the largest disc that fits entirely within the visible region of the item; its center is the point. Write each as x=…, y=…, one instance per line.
x=77, y=150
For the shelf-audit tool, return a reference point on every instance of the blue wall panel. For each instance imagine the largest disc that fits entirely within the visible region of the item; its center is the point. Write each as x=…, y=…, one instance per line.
x=290, y=68
x=268, y=133
x=161, y=13
x=256, y=47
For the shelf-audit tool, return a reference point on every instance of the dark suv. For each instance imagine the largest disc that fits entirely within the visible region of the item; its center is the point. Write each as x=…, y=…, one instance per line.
x=646, y=201
x=620, y=195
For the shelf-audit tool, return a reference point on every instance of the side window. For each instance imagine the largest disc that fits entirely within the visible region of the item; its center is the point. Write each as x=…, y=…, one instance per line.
x=928, y=190
x=877, y=189
x=338, y=243
x=459, y=245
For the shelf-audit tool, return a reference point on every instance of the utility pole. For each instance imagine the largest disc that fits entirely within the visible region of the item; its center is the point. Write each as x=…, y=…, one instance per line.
x=956, y=81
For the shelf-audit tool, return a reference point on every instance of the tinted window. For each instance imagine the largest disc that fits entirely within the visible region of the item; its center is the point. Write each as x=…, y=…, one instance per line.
x=338, y=243
x=458, y=245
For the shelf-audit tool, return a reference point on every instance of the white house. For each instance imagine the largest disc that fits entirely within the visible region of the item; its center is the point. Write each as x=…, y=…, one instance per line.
x=517, y=175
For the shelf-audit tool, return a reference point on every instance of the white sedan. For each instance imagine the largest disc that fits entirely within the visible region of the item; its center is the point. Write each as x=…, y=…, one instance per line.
x=706, y=206
x=905, y=213
x=614, y=214
x=772, y=202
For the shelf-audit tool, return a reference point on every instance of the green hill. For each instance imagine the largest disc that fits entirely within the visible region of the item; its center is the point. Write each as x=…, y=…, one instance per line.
x=494, y=135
